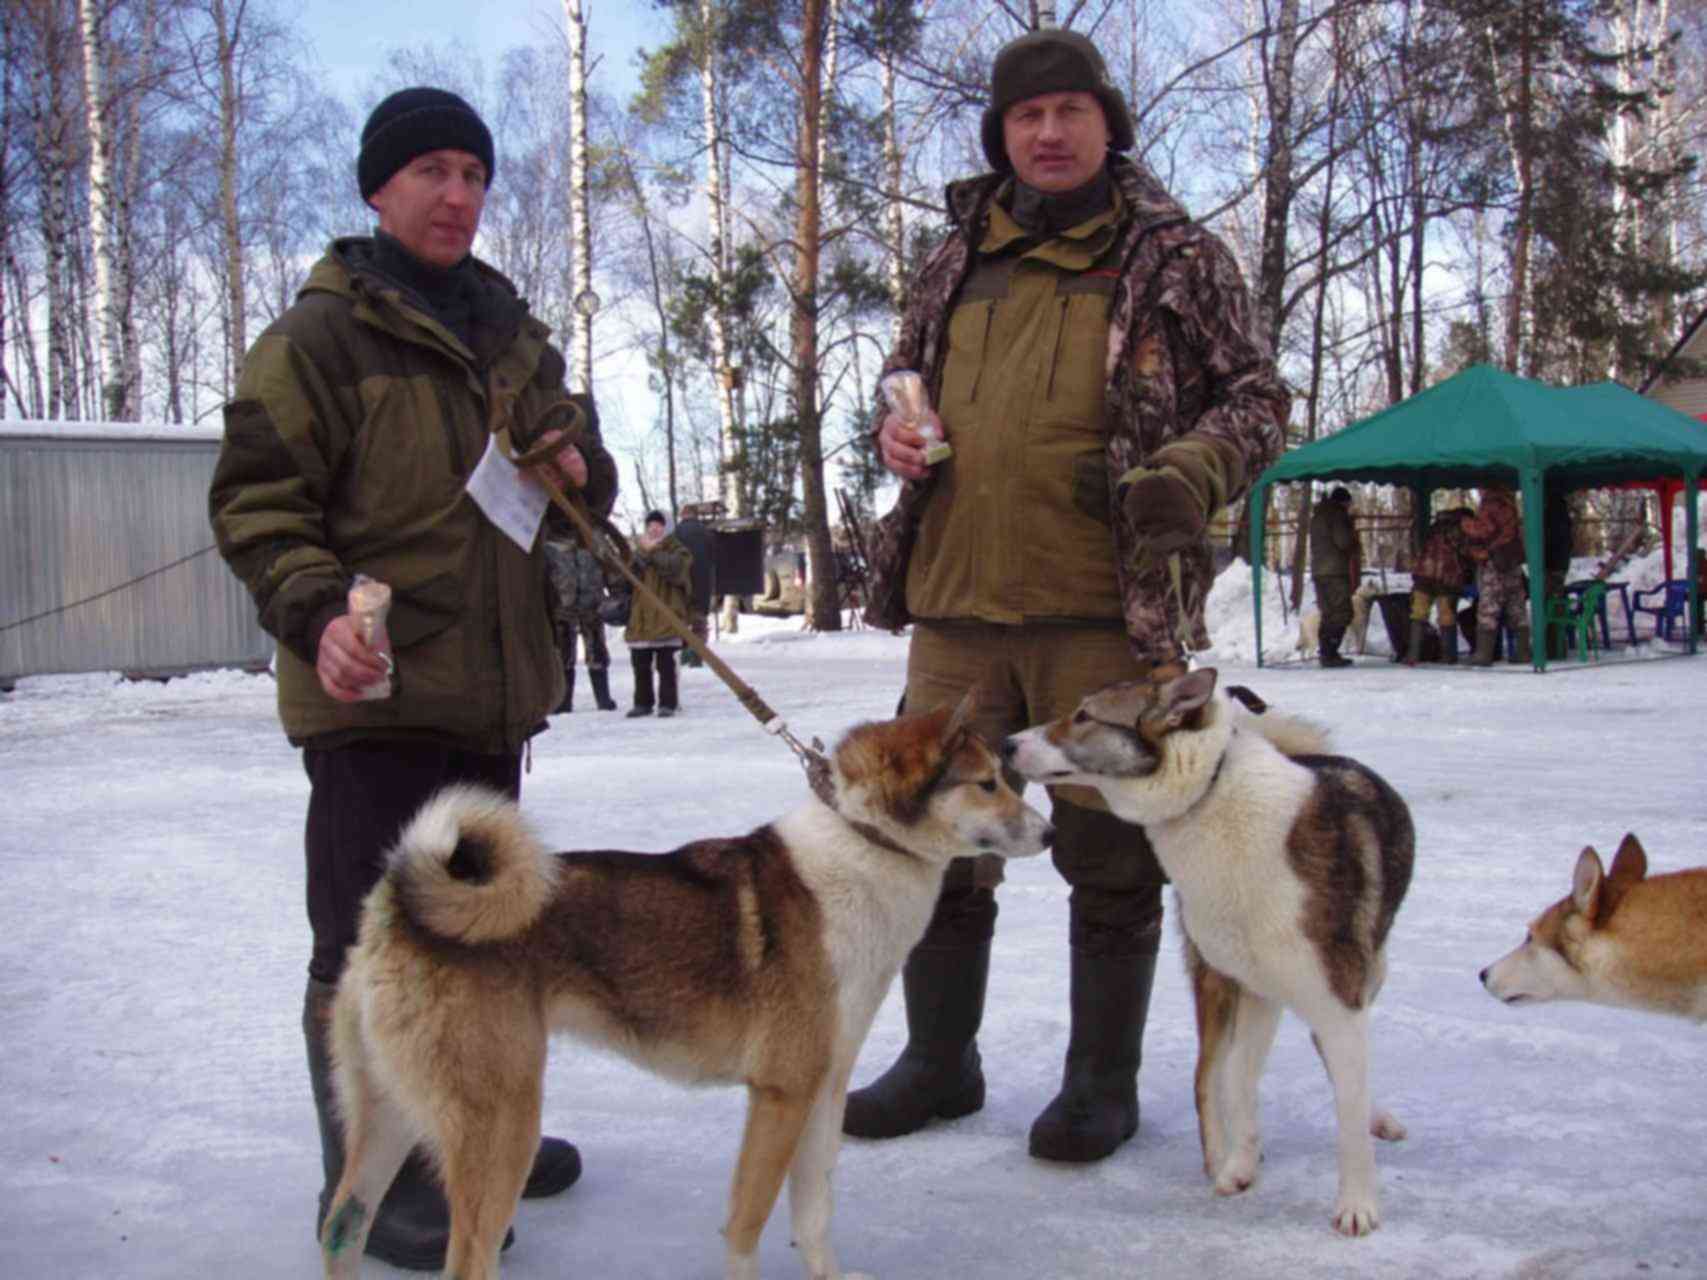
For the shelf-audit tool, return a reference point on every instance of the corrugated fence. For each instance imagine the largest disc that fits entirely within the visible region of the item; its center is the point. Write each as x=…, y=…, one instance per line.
x=107, y=562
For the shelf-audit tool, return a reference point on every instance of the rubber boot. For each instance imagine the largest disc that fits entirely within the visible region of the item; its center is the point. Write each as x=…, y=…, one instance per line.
x=1097, y=1108
x=939, y=1075
x=1520, y=651
x=1329, y=656
x=1449, y=645
x=1414, y=644
x=568, y=703
x=600, y=680
x=1485, y=640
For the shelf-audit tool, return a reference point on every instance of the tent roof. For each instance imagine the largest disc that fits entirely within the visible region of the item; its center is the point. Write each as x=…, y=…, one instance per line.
x=1488, y=425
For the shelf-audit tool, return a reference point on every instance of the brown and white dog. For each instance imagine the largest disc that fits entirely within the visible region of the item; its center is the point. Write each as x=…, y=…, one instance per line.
x=757, y=960
x=1289, y=864
x=1622, y=938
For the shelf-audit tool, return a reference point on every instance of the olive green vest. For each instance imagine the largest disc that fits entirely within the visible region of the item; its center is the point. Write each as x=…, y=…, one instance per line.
x=1017, y=527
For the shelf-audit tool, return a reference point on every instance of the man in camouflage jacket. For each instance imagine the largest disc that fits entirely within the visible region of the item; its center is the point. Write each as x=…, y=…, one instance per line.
x=1438, y=578
x=360, y=416
x=1495, y=540
x=1092, y=359
x=578, y=585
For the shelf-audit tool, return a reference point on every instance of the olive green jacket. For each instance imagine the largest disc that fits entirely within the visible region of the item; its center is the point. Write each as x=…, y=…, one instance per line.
x=357, y=422
x=667, y=568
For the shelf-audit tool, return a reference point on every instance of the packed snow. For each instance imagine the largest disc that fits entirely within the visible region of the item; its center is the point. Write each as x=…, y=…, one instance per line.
x=158, y=1114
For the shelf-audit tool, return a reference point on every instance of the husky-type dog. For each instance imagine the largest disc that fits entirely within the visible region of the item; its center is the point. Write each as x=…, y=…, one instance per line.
x=1289, y=864
x=758, y=960
x=1621, y=938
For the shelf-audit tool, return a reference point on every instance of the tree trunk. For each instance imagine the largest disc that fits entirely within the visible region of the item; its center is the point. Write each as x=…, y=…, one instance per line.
x=580, y=224
x=99, y=119
x=1278, y=179
x=822, y=610
x=230, y=109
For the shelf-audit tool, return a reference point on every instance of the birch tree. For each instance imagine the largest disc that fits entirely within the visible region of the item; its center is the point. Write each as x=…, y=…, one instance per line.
x=580, y=222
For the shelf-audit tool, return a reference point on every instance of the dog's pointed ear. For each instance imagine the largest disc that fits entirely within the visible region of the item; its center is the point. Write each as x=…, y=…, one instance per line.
x=961, y=718
x=1586, y=883
x=1629, y=867
x=1187, y=695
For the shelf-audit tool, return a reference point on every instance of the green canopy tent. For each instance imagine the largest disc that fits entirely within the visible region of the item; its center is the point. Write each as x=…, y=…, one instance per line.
x=1485, y=426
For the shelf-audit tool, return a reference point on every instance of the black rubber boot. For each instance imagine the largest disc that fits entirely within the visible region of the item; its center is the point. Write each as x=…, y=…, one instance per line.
x=1414, y=644
x=1520, y=651
x=1097, y=1108
x=1449, y=645
x=600, y=680
x=568, y=703
x=939, y=1075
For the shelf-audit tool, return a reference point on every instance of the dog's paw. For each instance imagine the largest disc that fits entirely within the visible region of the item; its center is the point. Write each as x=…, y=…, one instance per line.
x=1238, y=1172
x=1356, y=1216
x=1385, y=1125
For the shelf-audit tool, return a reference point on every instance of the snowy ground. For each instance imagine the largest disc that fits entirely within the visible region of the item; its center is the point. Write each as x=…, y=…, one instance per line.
x=157, y=1117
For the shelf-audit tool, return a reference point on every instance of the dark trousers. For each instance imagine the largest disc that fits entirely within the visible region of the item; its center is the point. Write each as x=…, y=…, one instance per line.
x=359, y=800
x=643, y=663
x=1333, y=598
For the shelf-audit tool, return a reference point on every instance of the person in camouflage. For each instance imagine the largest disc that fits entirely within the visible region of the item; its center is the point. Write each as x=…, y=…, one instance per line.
x=578, y=585
x=1093, y=361
x=1495, y=540
x=1438, y=578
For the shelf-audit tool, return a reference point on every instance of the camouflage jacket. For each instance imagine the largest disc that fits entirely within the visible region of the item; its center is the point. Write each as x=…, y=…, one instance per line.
x=1183, y=359
x=575, y=576
x=1443, y=564
x=1496, y=532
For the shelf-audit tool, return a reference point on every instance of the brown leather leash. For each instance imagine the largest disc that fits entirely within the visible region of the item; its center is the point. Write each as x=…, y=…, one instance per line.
x=812, y=758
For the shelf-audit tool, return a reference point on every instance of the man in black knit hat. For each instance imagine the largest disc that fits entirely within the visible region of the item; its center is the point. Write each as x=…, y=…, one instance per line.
x=404, y=366
x=1095, y=366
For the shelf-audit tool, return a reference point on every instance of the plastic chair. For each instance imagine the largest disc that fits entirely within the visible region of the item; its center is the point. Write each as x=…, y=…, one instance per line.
x=1577, y=616
x=1672, y=607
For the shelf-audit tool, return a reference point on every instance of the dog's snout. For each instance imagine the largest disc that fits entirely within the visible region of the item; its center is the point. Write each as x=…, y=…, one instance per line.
x=1009, y=746
x=1048, y=836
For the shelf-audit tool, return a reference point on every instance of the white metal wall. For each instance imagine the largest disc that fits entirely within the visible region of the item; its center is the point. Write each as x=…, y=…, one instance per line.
x=102, y=513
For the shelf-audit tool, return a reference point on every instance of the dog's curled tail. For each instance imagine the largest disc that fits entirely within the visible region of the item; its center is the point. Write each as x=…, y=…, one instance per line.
x=1291, y=735
x=467, y=867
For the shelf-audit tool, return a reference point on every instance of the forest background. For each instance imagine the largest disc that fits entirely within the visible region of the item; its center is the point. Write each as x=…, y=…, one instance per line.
x=717, y=203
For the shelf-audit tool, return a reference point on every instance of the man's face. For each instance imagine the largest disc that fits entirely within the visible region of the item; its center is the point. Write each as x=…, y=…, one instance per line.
x=432, y=205
x=1056, y=141
x=654, y=530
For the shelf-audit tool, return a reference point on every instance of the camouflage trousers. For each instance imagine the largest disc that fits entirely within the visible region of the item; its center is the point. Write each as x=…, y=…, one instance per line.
x=1503, y=597
x=586, y=626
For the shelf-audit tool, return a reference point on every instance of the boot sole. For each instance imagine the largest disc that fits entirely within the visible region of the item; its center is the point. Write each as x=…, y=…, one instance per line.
x=946, y=1109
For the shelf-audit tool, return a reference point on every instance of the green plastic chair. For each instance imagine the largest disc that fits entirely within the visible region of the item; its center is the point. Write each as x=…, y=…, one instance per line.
x=1577, y=615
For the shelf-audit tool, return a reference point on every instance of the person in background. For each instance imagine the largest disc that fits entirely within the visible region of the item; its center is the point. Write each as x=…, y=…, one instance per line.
x=579, y=587
x=1438, y=578
x=665, y=565
x=1494, y=537
x=1335, y=565
x=360, y=415
x=1091, y=355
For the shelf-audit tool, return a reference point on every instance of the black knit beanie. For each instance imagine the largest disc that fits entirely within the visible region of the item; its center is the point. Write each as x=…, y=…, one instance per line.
x=412, y=122
x=1051, y=61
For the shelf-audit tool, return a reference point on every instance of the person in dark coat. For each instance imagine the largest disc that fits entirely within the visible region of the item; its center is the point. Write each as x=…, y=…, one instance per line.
x=1335, y=563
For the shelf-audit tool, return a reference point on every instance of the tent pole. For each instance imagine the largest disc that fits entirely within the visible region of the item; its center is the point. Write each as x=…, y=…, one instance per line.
x=1532, y=478
x=1259, y=506
x=1691, y=561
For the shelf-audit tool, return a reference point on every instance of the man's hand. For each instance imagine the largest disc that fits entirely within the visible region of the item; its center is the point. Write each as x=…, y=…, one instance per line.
x=568, y=463
x=346, y=664
x=1164, y=510
x=903, y=449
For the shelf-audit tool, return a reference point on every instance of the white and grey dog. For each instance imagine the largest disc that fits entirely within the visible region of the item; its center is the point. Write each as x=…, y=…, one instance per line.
x=1290, y=865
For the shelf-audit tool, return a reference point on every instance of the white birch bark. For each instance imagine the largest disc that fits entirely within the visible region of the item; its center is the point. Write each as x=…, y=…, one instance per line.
x=230, y=108
x=103, y=236
x=895, y=222
x=717, y=214
x=47, y=78
x=575, y=14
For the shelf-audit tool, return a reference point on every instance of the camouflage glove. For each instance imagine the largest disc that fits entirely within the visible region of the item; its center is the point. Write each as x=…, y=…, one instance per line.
x=1169, y=502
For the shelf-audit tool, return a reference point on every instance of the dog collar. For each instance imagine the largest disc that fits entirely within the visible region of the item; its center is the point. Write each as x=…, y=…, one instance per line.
x=818, y=778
